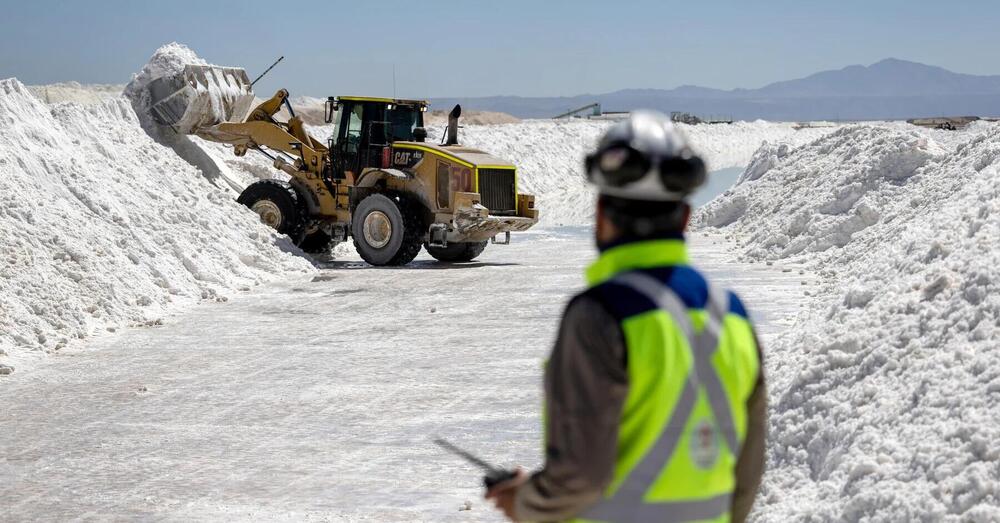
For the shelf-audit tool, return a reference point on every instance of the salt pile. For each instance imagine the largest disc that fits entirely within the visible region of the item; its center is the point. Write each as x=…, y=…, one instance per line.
x=202, y=94
x=886, y=392
x=549, y=155
x=102, y=227
x=824, y=194
x=167, y=61
x=207, y=108
x=87, y=94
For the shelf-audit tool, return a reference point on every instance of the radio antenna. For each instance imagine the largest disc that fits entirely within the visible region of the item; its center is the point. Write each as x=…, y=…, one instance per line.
x=268, y=70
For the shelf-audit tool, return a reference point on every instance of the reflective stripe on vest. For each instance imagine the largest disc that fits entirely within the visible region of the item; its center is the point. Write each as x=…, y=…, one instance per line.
x=627, y=505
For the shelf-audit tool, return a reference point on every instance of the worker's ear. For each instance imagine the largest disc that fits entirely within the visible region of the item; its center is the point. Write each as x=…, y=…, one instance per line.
x=599, y=220
x=599, y=216
x=604, y=230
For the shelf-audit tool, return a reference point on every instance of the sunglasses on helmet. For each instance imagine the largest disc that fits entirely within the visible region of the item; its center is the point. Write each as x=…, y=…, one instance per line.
x=622, y=165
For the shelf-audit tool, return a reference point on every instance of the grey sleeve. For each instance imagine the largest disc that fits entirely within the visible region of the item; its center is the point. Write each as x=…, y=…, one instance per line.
x=750, y=465
x=585, y=389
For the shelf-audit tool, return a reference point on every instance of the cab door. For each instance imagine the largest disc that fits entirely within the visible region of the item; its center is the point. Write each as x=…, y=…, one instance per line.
x=348, y=138
x=362, y=136
x=375, y=136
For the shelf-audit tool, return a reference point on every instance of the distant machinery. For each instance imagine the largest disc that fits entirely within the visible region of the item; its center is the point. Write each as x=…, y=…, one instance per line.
x=688, y=118
x=594, y=109
x=949, y=123
x=691, y=119
x=595, y=112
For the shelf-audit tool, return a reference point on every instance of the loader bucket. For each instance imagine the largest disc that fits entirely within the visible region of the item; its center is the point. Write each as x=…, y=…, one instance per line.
x=199, y=97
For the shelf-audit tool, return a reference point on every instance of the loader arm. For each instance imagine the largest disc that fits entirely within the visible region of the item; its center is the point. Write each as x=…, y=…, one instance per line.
x=260, y=129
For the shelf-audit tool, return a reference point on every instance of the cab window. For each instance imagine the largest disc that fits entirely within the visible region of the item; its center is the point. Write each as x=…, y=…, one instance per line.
x=336, y=126
x=354, y=128
x=403, y=119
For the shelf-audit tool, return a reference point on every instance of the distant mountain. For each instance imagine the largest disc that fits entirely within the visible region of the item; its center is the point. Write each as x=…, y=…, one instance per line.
x=889, y=89
x=890, y=77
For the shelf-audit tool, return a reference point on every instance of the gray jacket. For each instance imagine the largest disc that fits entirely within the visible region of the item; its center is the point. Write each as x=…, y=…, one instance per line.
x=586, y=384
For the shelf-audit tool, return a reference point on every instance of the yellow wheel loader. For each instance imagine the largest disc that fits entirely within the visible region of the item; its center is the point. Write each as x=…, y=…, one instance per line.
x=376, y=179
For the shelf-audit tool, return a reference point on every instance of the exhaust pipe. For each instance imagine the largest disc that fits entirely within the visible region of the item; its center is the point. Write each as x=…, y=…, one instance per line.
x=452, y=138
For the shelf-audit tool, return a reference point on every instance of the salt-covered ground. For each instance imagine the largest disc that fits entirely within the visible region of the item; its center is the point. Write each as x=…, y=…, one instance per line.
x=315, y=398
x=884, y=389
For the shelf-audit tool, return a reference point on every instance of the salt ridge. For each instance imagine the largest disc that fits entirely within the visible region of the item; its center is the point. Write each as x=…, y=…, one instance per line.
x=885, y=392
x=102, y=227
x=549, y=155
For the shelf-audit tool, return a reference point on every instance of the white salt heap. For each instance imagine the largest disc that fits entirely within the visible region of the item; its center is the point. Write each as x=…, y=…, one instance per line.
x=167, y=61
x=101, y=227
x=208, y=94
x=211, y=159
x=549, y=155
x=87, y=94
x=886, y=392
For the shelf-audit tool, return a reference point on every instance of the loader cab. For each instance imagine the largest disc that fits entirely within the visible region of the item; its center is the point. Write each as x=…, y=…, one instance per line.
x=365, y=128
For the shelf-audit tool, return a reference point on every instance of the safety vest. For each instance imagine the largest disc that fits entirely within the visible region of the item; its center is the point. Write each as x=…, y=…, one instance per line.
x=692, y=365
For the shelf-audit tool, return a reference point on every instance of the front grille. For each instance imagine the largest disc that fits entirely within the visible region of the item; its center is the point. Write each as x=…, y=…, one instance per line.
x=496, y=188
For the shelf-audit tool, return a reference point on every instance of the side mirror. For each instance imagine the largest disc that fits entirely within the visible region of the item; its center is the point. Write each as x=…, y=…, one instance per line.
x=331, y=107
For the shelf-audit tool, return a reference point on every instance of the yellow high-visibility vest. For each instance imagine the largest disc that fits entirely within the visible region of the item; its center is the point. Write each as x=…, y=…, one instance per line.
x=692, y=365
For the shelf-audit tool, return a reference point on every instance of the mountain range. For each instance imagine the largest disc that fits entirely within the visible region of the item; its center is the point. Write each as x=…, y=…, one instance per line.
x=888, y=89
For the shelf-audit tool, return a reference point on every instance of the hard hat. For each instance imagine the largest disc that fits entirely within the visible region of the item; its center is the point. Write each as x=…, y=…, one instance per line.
x=644, y=157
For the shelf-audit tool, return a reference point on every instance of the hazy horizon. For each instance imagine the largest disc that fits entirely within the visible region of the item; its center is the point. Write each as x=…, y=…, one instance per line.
x=449, y=49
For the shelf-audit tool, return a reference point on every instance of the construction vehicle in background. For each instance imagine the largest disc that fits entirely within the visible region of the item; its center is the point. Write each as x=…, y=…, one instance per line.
x=376, y=179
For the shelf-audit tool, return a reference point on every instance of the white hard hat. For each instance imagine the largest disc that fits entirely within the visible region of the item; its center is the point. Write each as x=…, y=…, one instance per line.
x=645, y=158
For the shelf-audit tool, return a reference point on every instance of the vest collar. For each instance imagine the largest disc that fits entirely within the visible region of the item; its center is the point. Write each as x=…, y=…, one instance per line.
x=636, y=255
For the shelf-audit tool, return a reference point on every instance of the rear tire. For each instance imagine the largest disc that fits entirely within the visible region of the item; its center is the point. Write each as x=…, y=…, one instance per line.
x=387, y=229
x=277, y=205
x=317, y=242
x=457, y=252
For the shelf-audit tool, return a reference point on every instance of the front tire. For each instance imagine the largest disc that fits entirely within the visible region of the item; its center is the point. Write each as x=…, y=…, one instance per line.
x=277, y=205
x=387, y=229
x=457, y=252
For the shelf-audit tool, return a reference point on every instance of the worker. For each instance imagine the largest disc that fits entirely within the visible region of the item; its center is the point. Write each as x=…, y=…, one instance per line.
x=655, y=403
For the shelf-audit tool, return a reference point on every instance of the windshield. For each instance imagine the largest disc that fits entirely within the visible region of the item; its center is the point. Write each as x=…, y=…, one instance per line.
x=404, y=119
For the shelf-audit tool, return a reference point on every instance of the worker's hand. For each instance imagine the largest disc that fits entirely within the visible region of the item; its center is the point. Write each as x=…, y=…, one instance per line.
x=503, y=494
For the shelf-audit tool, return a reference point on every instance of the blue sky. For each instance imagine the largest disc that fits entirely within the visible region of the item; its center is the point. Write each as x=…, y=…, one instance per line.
x=475, y=48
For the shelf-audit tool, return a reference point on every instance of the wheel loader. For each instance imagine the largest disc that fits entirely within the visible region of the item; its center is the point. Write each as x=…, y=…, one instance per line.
x=376, y=180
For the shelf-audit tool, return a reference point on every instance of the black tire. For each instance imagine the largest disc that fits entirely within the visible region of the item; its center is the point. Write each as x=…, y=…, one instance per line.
x=317, y=242
x=457, y=252
x=396, y=244
x=277, y=204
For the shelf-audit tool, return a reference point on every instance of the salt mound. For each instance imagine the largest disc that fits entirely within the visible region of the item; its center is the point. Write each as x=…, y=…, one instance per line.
x=549, y=155
x=88, y=94
x=169, y=60
x=102, y=227
x=885, y=393
x=733, y=145
x=766, y=157
x=889, y=395
x=823, y=194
